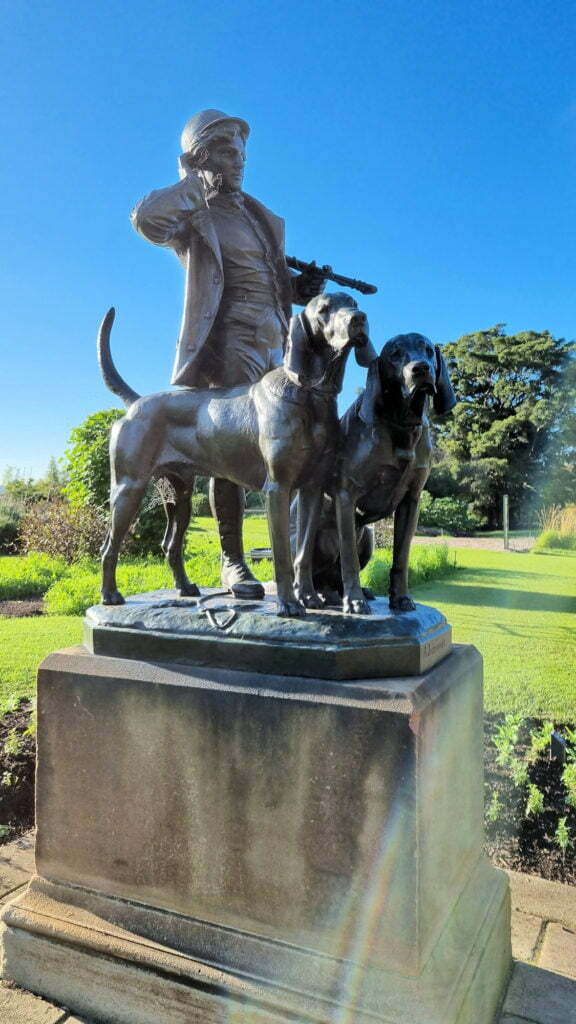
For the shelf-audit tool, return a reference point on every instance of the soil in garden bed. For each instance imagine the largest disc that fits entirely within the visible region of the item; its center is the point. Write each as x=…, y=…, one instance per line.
x=21, y=609
x=524, y=841
x=17, y=761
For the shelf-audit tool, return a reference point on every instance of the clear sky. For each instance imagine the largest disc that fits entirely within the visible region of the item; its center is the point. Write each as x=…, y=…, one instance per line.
x=428, y=146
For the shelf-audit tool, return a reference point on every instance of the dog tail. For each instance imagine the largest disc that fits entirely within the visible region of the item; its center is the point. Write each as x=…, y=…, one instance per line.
x=112, y=378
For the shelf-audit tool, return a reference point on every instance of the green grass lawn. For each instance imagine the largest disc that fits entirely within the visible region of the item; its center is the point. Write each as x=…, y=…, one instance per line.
x=518, y=609
x=519, y=612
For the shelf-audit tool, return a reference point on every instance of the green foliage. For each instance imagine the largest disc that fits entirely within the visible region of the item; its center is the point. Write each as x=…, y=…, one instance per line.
x=200, y=505
x=540, y=740
x=515, y=419
x=550, y=539
x=428, y=562
x=13, y=742
x=87, y=460
x=29, y=576
x=450, y=514
x=569, y=780
x=9, y=531
x=519, y=772
x=506, y=739
x=495, y=807
x=535, y=801
x=562, y=836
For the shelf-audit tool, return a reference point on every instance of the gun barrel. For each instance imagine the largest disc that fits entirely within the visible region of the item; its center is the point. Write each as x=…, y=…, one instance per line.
x=329, y=275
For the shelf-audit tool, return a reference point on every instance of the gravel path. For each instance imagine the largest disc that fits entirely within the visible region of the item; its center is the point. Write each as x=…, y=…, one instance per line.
x=520, y=544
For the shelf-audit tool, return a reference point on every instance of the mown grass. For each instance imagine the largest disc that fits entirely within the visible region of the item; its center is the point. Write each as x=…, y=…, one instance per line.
x=519, y=611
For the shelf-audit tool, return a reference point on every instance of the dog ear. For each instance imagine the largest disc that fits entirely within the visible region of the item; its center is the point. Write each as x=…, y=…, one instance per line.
x=297, y=348
x=365, y=352
x=444, y=397
x=372, y=394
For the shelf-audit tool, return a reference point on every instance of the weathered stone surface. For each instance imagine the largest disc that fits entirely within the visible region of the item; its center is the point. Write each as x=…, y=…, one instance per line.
x=525, y=932
x=221, y=631
x=551, y=901
x=542, y=996
x=297, y=843
x=16, y=864
x=18, y=1007
x=559, y=950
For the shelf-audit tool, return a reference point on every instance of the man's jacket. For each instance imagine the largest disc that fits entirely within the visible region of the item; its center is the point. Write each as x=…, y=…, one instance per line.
x=178, y=217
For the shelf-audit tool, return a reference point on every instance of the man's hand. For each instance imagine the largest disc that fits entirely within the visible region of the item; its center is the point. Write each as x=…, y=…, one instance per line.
x=308, y=284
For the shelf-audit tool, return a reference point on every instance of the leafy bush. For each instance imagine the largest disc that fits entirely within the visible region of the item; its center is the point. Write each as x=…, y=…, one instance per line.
x=62, y=531
x=9, y=531
x=201, y=505
x=451, y=514
x=29, y=576
x=426, y=563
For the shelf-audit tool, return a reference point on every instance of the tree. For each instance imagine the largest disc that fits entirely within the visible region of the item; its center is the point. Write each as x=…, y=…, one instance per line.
x=514, y=429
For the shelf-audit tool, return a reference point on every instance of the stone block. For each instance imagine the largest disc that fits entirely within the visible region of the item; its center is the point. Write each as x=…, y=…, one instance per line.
x=525, y=934
x=538, y=995
x=18, y=1007
x=255, y=847
x=558, y=951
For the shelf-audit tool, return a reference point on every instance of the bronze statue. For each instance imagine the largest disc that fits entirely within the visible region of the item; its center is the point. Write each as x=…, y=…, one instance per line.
x=239, y=290
x=278, y=435
x=383, y=465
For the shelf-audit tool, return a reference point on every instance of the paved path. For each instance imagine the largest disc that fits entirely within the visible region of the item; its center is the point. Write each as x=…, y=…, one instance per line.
x=542, y=989
x=521, y=544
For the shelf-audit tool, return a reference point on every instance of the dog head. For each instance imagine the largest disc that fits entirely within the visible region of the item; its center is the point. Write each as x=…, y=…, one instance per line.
x=330, y=321
x=409, y=367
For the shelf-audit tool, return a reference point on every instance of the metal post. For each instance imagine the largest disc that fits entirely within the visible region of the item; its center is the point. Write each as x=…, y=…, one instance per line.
x=505, y=521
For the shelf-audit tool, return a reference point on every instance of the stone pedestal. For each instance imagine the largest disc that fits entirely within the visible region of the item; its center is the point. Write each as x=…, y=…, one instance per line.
x=225, y=846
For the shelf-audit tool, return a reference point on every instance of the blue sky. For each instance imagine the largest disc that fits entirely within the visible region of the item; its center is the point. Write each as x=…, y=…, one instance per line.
x=428, y=147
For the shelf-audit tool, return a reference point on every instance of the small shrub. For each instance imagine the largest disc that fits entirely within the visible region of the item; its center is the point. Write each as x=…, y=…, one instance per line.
x=57, y=529
x=9, y=533
x=201, y=505
x=535, y=801
x=426, y=563
x=29, y=576
x=451, y=514
x=553, y=539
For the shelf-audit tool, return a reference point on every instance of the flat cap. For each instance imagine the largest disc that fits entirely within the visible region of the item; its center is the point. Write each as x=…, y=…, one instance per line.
x=199, y=123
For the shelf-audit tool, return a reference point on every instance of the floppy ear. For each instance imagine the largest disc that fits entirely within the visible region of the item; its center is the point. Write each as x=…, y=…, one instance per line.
x=365, y=352
x=372, y=394
x=444, y=397
x=297, y=348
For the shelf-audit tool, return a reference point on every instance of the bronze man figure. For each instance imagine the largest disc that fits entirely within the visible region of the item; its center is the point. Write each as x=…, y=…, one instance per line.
x=238, y=294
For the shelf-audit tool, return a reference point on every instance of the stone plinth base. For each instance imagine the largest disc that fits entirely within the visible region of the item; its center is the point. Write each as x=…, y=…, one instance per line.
x=216, y=846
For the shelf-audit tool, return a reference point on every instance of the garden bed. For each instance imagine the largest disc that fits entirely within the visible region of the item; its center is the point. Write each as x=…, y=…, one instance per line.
x=17, y=762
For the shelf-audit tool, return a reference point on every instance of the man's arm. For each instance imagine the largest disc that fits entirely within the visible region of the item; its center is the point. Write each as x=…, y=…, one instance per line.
x=163, y=216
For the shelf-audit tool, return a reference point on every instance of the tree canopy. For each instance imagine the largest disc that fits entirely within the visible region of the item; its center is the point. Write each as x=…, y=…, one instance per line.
x=514, y=428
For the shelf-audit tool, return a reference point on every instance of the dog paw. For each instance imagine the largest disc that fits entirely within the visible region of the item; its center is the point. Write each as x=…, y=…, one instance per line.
x=112, y=597
x=290, y=610
x=189, y=590
x=309, y=598
x=355, y=606
x=402, y=604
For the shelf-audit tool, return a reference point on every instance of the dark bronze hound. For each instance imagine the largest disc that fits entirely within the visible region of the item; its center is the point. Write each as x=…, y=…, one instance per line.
x=278, y=435
x=383, y=465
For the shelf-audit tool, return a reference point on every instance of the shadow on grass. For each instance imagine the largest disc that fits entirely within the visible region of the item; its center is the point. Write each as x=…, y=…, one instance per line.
x=501, y=597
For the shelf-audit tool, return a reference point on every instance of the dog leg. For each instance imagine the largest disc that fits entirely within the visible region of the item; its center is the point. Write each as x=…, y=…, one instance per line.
x=354, y=601
x=125, y=501
x=309, y=504
x=181, y=512
x=278, y=510
x=405, y=520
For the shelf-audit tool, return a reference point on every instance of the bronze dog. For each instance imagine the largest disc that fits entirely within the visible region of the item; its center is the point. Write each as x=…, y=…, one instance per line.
x=278, y=435
x=383, y=465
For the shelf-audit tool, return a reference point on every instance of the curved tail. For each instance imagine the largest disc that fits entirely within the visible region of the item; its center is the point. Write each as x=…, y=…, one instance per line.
x=112, y=378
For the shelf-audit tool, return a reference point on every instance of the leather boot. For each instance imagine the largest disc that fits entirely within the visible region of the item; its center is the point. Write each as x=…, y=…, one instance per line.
x=227, y=503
